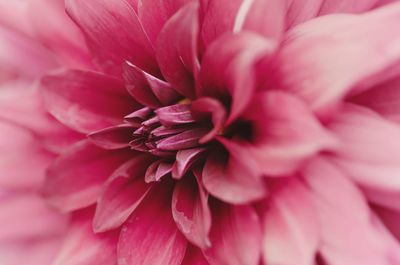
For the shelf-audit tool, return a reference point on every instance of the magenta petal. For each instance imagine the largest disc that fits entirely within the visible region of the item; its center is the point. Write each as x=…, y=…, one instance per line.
x=74, y=179
x=185, y=159
x=86, y=101
x=291, y=232
x=177, y=50
x=235, y=236
x=150, y=235
x=114, y=137
x=190, y=211
x=175, y=114
x=202, y=108
x=83, y=247
x=184, y=140
x=114, y=33
x=154, y=13
x=157, y=170
x=227, y=71
x=137, y=117
x=231, y=180
x=122, y=193
x=194, y=256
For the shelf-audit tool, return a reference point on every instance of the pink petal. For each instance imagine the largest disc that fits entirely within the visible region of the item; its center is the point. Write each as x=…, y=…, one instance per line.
x=346, y=6
x=150, y=235
x=291, y=136
x=291, y=232
x=86, y=101
x=366, y=154
x=322, y=62
x=185, y=159
x=235, y=236
x=231, y=180
x=62, y=36
x=190, y=211
x=114, y=34
x=121, y=195
x=113, y=137
x=21, y=57
x=298, y=12
x=83, y=247
x=74, y=179
x=202, y=108
x=350, y=233
x=227, y=71
x=147, y=89
x=177, y=50
x=185, y=140
x=26, y=215
x=16, y=145
x=194, y=256
x=154, y=13
x=384, y=98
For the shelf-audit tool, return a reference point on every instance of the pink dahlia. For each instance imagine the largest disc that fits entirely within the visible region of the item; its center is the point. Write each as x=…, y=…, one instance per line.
x=221, y=132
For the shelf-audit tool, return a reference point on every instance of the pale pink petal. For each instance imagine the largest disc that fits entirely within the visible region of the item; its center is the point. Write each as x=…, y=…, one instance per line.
x=86, y=101
x=14, y=15
x=190, y=211
x=235, y=236
x=323, y=60
x=367, y=152
x=114, y=34
x=150, y=235
x=284, y=133
x=231, y=180
x=26, y=215
x=265, y=17
x=298, y=12
x=177, y=50
x=350, y=232
x=74, y=179
x=291, y=228
x=346, y=6
x=61, y=36
x=154, y=13
x=83, y=247
x=17, y=145
x=227, y=71
x=122, y=193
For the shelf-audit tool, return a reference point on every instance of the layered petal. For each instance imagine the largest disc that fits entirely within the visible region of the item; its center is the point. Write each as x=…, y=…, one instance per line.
x=74, y=179
x=291, y=228
x=114, y=34
x=83, y=247
x=150, y=235
x=235, y=236
x=323, y=60
x=113, y=137
x=86, y=101
x=228, y=69
x=122, y=193
x=190, y=211
x=177, y=50
x=341, y=208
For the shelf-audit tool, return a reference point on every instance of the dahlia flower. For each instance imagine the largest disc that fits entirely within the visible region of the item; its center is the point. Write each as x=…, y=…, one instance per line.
x=221, y=132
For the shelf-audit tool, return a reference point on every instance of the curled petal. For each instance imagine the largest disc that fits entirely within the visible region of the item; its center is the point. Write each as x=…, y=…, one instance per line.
x=114, y=137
